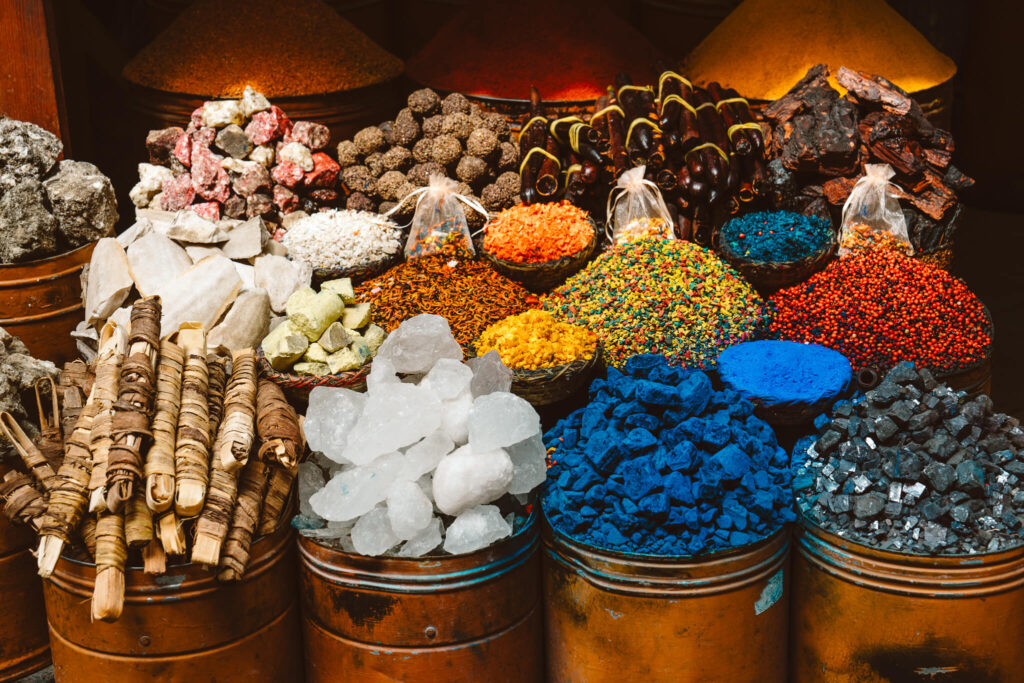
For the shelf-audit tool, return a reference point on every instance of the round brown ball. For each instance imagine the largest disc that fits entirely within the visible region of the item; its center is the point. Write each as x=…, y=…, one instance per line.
x=474, y=219
x=388, y=128
x=421, y=150
x=455, y=103
x=357, y=201
x=446, y=150
x=370, y=140
x=405, y=114
x=348, y=153
x=357, y=178
x=424, y=102
x=420, y=173
x=470, y=169
x=386, y=206
x=482, y=142
x=508, y=157
x=498, y=124
x=375, y=162
x=406, y=133
x=458, y=125
x=397, y=159
x=493, y=197
x=432, y=126
x=509, y=182
x=389, y=184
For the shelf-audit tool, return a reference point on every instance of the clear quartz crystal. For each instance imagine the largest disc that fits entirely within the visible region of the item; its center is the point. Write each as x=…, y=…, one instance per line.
x=422, y=543
x=476, y=528
x=448, y=378
x=465, y=479
x=356, y=490
x=489, y=374
x=529, y=462
x=501, y=419
x=372, y=534
x=396, y=415
x=330, y=417
x=418, y=343
x=423, y=457
x=310, y=480
x=409, y=509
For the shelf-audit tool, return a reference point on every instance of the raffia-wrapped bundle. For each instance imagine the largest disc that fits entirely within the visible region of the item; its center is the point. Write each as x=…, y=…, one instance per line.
x=278, y=488
x=34, y=461
x=252, y=486
x=133, y=409
x=51, y=436
x=22, y=502
x=69, y=499
x=230, y=453
x=154, y=559
x=160, y=460
x=218, y=366
x=280, y=436
x=192, y=452
x=87, y=530
x=111, y=556
x=113, y=344
x=138, y=522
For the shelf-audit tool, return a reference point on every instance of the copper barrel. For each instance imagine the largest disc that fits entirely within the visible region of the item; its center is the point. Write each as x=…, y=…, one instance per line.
x=454, y=618
x=867, y=615
x=617, y=616
x=184, y=625
x=41, y=302
x=23, y=645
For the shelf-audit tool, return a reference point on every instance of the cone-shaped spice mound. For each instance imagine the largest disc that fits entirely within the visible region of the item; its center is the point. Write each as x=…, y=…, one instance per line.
x=764, y=46
x=214, y=48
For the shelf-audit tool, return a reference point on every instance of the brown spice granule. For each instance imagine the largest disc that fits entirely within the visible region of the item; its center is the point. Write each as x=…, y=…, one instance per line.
x=424, y=102
x=482, y=142
x=214, y=48
x=458, y=125
x=447, y=150
x=421, y=150
x=455, y=103
x=370, y=140
x=432, y=126
x=397, y=159
x=348, y=154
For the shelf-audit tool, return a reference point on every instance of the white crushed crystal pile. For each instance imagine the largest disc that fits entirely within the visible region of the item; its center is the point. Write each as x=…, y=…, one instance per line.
x=342, y=239
x=421, y=459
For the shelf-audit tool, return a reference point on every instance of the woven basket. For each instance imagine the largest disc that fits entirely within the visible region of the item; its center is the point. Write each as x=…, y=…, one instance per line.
x=360, y=273
x=541, y=277
x=940, y=257
x=550, y=385
x=296, y=388
x=771, y=276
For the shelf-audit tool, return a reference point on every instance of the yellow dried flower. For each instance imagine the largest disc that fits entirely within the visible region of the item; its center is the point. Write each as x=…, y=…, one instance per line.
x=534, y=340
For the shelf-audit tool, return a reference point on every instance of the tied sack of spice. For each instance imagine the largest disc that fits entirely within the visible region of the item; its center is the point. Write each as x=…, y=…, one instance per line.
x=438, y=216
x=871, y=215
x=637, y=210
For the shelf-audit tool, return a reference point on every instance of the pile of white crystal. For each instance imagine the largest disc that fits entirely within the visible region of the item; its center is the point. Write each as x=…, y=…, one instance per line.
x=419, y=459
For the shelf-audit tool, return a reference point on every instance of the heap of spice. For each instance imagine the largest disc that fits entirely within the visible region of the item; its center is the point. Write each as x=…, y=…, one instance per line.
x=776, y=236
x=879, y=308
x=450, y=137
x=547, y=45
x=214, y=48
x=646, y=226
x=240, y=158
x=538, y=233
x=448, y=283
x=858, y=237
x=342, y=239
x=535, y=340
x=659, y=296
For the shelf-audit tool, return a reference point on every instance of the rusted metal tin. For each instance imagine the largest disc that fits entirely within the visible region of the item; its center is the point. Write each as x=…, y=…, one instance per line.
x=23, y=644
x=184, y=625
x=613, y=616
x=41, y=302
x=462, y=618
x=866, y=616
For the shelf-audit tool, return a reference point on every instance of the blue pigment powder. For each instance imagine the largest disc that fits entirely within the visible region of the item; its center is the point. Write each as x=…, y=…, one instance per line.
x=776, y=236
x=659, y=463
x=785, y=373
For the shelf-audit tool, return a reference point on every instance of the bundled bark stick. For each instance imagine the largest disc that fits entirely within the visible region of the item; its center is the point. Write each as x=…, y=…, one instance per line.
x=252, y=487
x=111, y=557
x=133, y=410
x=113, y=344
x=22, y=502
x=51, y=436
x=168, y=530
x=69, y=499
x=192, y=450
x=230, y=453
x=218, y=371
x=33, y=459
x=138, y=523
x=160, y=460
x=278, y=489
x=278, y=425
x=154, y=559
x=87, y=530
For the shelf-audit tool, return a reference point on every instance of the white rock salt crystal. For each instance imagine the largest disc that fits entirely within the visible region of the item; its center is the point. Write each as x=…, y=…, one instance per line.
x=280, y=277
x=423, y=457
x=501, y=419
x=342, y=238
x=310, y=480
x=529, y=461
x=464, y=479
x=423, y=542
x=381, y=372
x=448, y=378
x=263, y=154
x=372, y=534
x=220, y=113
x=490, y=374
x=253, y=101
x=409, y=510
x=331, y=415
x=298, y=154
x=418, y=343
x=476, y=528
x=151, y=182
x=396, y=415
x=356, y=490
x=455, y=419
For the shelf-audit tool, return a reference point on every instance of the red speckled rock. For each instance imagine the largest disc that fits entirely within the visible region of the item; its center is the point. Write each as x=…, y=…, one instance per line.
x=325, y=172
x=288, y=174
x=254, y=179
x=259, y=204
x=183, y=150
x=178, y=193
x=208, y=210
x=284, y=199
x=312, y=135
x=268, y=125
x=209, y=179
x=160, y=144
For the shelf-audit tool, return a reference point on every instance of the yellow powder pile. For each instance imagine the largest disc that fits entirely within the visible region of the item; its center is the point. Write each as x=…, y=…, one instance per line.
x=282, y=48
x=765, y=46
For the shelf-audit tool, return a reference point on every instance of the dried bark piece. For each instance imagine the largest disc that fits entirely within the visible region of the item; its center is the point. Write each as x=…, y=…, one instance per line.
x=218, y=367
x=251, y=488
x=133, y=409
x=33, y=459
x=192, y=450
x=160, y=460
x=171, y=535
x=278, y=425
x=87, y=531
x=22, y=502
x=274, y=502
x=51, y=437
x=113, y=344
x=111, y=556
x=138, y=523
x=154, y=559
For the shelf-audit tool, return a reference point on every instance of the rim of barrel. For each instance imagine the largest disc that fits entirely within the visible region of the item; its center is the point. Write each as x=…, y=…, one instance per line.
x=48, y=259
x=277, y=100
x=951, y=561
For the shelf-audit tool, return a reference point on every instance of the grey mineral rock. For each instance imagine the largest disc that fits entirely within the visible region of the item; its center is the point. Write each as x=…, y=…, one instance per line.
x=26, y=152
x=83, y=202
x=18, y=374
x=27, y=230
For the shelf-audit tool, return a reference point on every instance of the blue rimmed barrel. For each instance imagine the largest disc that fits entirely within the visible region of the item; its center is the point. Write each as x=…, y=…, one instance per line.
x=453, y=618
x=720, y=617
x=866, y=615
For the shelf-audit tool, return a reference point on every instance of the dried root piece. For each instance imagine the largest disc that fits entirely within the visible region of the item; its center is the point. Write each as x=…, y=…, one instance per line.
x=160, y=460
x=51, y=437
x=111, y=556
x=69, y=499
x=154, y=559
x=278, y=488
x=252, y=486
x=278, y=425
x=133, y=409
x=237, y=430
x=87, y=530
x=22, y=502
x=170, y=533
x=212, y=527
x=30, y=455
x=218, y=366
x=74, y=401
x=138, y=523
x=113, y=344
x=192, y=450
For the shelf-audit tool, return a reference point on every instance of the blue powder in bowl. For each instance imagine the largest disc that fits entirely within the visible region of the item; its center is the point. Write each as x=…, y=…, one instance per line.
x=776, y=236
x=784, y=373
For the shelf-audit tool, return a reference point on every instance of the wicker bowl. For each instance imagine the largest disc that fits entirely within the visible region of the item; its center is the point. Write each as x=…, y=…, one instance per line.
x=296, y=388
x=542, y=277
x=359, y=273
x=545, y=386
x=771, y=276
